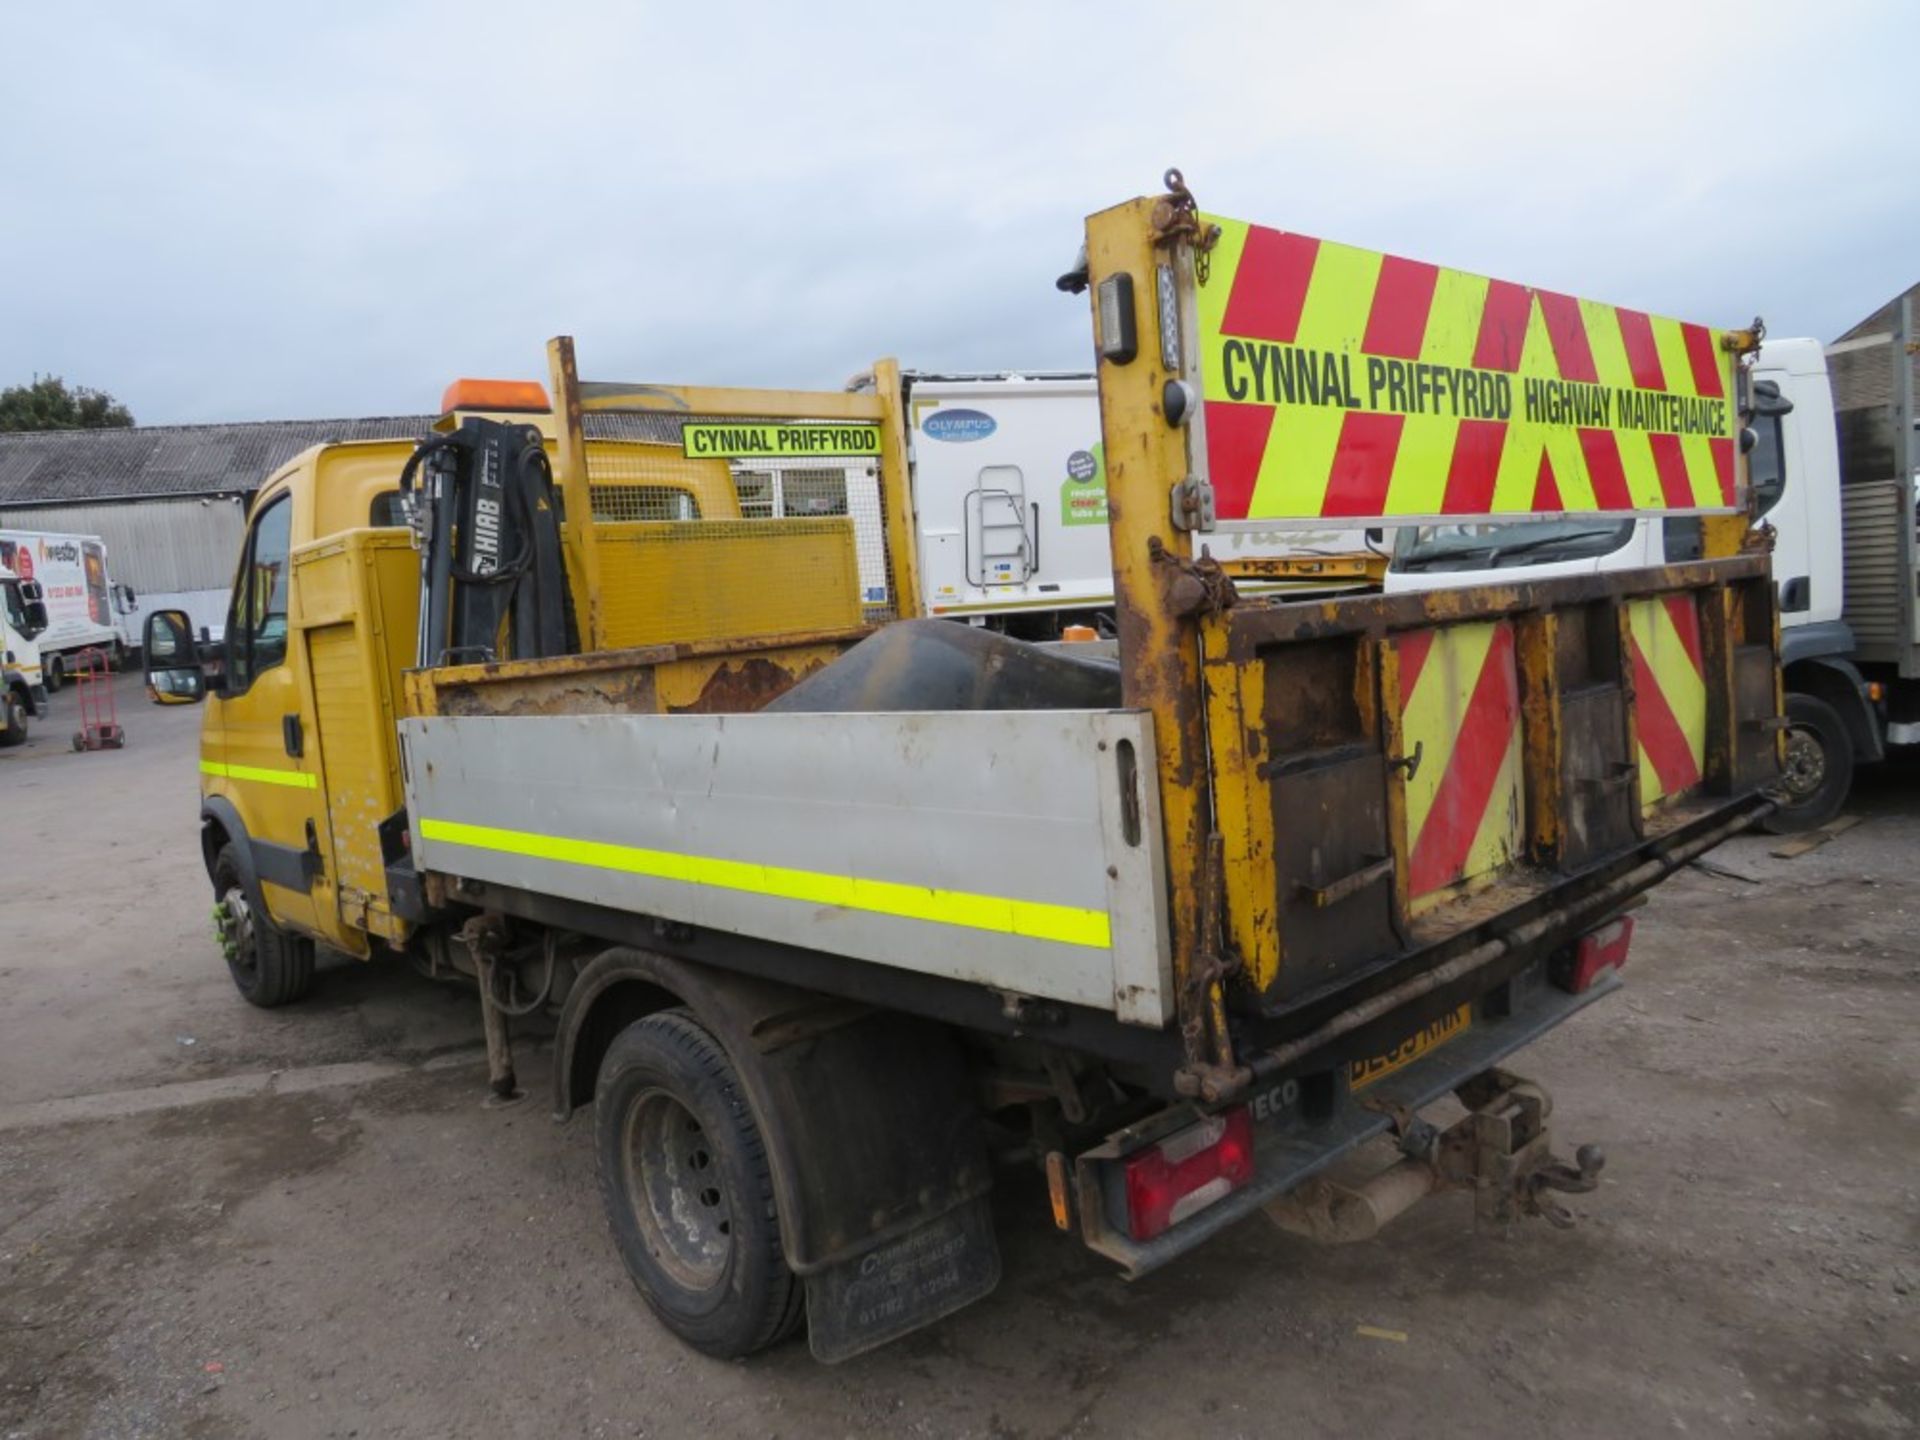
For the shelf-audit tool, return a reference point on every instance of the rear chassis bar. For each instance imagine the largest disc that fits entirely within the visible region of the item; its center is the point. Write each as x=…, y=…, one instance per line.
x=1292, y=1145
x=1422, y=974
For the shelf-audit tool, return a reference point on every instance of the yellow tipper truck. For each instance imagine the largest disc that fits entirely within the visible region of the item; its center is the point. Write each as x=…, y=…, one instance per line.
x=813, y=905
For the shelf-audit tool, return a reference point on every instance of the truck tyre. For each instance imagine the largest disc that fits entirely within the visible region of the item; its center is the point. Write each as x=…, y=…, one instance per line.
x=1819, y=769
x=13, y=719
x=269, y=966
x=55, y=674
x=688, y=1191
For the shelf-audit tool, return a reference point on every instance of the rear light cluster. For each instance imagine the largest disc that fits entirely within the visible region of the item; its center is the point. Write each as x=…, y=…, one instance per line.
x=1595, y=954
x=1188, y=1171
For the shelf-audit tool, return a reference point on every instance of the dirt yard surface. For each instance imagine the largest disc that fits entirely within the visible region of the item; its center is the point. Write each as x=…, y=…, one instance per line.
x=218, y=1221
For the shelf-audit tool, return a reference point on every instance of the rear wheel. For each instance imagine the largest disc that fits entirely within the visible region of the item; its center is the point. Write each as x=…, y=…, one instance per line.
x=688, y=1192
x=1819, y=770
x=55, y=673
x=13, y=719
x=269, y=966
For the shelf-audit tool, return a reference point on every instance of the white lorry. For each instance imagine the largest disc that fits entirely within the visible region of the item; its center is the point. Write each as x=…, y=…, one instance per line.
x=23, y=616
x=1833, y=470
x=85, y=609
x=1009, y=486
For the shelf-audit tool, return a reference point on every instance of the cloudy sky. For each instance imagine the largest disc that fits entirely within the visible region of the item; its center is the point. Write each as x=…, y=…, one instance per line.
x=262, y=210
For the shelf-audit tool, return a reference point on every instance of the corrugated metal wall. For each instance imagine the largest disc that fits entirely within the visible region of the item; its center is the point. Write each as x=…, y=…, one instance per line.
x=152, y=545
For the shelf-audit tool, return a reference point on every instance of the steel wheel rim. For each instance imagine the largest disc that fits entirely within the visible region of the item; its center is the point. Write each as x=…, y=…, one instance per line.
x=676, y=1191
x=233, y=923
x=1806, y=769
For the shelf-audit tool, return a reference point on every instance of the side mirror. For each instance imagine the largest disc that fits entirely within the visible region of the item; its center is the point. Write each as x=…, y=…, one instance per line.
x=1767, y=399
x=34, y=613
x=174, y=676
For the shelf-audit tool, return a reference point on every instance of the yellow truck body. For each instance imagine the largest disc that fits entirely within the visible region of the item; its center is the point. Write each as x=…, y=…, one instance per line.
x=1197, y=919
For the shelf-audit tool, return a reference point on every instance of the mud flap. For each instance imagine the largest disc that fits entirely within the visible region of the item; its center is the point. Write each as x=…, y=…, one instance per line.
x=909, y=1281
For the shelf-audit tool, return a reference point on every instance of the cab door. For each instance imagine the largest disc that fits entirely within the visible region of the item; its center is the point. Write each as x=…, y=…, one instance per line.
x=265, y=757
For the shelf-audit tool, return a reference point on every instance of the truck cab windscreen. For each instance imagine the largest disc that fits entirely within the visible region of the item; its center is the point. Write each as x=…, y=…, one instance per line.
x=1495, y=547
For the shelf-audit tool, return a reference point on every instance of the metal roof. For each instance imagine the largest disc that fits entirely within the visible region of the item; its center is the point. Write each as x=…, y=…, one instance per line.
x=144, y=462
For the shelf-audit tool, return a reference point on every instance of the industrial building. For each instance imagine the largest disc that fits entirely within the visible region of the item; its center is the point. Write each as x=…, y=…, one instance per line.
x=169, y=500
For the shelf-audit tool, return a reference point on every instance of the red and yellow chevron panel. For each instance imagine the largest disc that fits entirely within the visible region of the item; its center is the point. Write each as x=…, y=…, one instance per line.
x=1670, y=695
x=1345, y=382
x=1460, y=711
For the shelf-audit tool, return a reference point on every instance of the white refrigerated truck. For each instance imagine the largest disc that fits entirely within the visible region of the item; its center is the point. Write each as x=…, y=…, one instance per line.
x=85, y=609
x=1009, y=485
x=1833, y=465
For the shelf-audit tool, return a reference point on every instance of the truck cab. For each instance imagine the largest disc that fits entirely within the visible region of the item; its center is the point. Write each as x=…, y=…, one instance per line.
x=298, y=758
x=23, y=618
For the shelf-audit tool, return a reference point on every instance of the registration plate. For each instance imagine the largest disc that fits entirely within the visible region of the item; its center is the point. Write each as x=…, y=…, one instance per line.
x=1429, y=1037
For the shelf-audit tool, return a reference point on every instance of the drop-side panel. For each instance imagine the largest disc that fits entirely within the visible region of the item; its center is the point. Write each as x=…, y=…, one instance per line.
x=1019, y=850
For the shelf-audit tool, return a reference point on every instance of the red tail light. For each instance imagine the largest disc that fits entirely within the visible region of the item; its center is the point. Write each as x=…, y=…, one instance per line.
x=1594, y=954
x=1188, y=1171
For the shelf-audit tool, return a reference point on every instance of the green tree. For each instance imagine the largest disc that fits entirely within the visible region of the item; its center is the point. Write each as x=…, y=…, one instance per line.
x=50, y=404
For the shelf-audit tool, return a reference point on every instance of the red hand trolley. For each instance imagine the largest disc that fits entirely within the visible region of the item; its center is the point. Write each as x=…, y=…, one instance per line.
x=99, y=722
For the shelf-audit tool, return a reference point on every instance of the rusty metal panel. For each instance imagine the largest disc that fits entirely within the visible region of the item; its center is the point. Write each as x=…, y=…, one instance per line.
x=1599, y=781
x=713, y=678
x=1334, y=866
x=1597, y=764
x=1428, y=766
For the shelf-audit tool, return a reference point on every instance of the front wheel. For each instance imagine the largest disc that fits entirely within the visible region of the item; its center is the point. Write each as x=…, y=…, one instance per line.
x=1819, y=770
x=13, y=719
x=269, y=966
x=688, y=1192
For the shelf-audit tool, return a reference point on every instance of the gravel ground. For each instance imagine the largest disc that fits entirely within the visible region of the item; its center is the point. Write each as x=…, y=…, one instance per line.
x=216, y=1221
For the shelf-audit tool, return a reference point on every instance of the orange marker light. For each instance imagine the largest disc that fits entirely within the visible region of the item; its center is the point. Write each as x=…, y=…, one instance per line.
x=466, y=394
x=1057, y=1190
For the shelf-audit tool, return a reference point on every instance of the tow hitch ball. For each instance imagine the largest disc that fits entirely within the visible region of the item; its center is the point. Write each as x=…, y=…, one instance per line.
x=1500, y=1150
x=1575, y=1179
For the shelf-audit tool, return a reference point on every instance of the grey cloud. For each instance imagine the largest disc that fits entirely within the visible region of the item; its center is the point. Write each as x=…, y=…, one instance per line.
x=230, y=212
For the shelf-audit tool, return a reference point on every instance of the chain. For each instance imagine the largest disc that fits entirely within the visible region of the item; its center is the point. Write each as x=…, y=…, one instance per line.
x=1177, y=217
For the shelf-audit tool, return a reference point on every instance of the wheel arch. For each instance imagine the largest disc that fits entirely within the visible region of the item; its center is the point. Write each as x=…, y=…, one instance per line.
x=886, y=1095
x=220, y=825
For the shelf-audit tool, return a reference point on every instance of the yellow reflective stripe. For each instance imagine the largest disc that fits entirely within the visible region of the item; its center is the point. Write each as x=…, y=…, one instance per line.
x=297, y=779
x=1036, y=920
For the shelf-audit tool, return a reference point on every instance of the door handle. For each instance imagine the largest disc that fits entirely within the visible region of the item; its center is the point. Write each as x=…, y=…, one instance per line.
x=291, y=735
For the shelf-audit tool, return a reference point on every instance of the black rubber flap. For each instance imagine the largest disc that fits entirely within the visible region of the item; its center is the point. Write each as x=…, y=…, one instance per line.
x=913, y=1280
